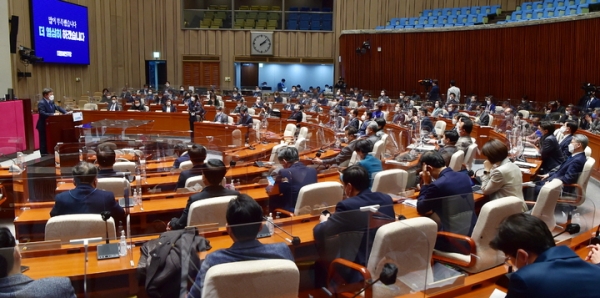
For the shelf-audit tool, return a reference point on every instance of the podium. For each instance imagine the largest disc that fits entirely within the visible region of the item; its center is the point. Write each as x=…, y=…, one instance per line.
x=60, y=128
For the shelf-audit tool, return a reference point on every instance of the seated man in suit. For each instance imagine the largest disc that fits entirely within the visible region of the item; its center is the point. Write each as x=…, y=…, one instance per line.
x=258, y=104
x=14, y=284
x=464, y=128
x=353, y=116
x=290, y=180
x=137, y=106
x=552, y=157
x=179, y=149
x=568, y=130
x=449, y=187
x=348, y=218
x=343, y=158
x=244, y=221
x=220, y=117
x=245, y=118
x=114, y=105
x=569, y=171
x=371, y=133
x=544, y=269
x=297, y=114
x=168, y=107
x=449, y=140
x=86, y=198
x=197, y=155
x=212, y=176
x=426, y=124
x=106, y=160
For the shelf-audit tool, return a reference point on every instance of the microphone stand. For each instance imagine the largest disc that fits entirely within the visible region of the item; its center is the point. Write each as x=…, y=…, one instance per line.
x=295, y=239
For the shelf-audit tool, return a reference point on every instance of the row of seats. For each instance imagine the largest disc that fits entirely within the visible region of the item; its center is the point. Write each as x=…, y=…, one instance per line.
x=258, y=16
x=537, y=14
x=251, y=24
x=324, y=9
x=259, y=7
x=554, y=4
x=309, y=25
x=476, y=10
x=310, y=16
x=218, y=7
x=213, y=24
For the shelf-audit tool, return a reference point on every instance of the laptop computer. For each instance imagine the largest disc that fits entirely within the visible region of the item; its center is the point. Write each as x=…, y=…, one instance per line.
x=264, y=232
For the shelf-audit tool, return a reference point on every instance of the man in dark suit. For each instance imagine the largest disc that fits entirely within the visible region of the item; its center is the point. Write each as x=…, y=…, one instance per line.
x=212, y=176
x=354, y=122
x=449, y=188
x=552, y=157
x=290, y=180
x=86, y=198
x=568, y=129
x=434, y=94
x=14, y=284
x=46, y=108
x=137, y=106
x=114, y=105
x=179, y=149
x=449, y=148
x=221, y=117
x=161, y=98
x=544, y=269
x=349, y=218
x=426, y=124
x=297, y=114
x=343, y=158
x=569, y=171
x=168, y=107
x=197, y=155
x=106, y=160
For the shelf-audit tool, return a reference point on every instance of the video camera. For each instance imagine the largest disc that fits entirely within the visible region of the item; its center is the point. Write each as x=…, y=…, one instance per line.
x=426, y=82
x=588, y=88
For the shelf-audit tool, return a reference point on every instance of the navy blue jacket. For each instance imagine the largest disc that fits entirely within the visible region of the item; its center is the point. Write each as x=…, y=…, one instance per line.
x=557, y=272
x=569, y=171
x=296, y=115
x=348, y=218
x=354, y=122
x=86, y=199
x=179, y=160
x=46, y=109
x=434, y=94
x=291, y=180
x=206, y=193
x=426, y=124
x=564, y=146
x=552, y=157
x=184, y=175
x=245, y=120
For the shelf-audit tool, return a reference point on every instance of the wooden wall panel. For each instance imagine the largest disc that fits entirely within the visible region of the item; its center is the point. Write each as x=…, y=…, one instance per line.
x=534, y=60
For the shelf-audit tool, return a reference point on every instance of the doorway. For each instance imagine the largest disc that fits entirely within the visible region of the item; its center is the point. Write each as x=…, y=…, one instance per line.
x=156, y=73
x=249, y=76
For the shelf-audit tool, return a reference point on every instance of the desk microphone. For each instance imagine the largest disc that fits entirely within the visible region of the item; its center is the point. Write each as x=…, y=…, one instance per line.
x=295, y=239
x=596, y=239
x=571, y=228
x=108, y=250
x=388, y=276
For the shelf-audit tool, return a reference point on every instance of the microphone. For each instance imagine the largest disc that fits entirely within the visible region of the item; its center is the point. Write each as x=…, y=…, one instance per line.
x=295, y=239
x=14, y=168
x=105, y=217
x=108, y=250
x=571, y=228
x=596, y=239
x=388, y=276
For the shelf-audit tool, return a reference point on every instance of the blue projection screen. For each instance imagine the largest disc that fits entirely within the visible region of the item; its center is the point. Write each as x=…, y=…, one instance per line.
x=60, y=32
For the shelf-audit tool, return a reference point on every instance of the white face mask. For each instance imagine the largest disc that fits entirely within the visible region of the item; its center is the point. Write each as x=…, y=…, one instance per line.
x=449, y=109
x=454, y=121
x=167, y=85
x=181, y=89
x=489, y=102
x=401, y=97
x=382, y=94
x=397, y=109
x=114, y=100
x=363, y=117
x=571, y=148
x=168, y=103
x=567, y=113
x=437, y=105
x=51, y=97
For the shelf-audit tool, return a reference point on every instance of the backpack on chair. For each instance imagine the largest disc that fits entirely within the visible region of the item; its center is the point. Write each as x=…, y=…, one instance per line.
x=168, y=262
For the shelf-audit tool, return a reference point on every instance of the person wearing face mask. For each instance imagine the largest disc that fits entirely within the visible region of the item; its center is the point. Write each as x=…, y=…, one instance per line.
x=367, y=102
x=525, y=104
x=434, y=93
x=314, y=107
x=323, y=100
x=304, y=100
x=412, y=118
x=399, y=116
x=236, y=95
x=220, y=117
x=383, y=98
x=453, y=90
x=294, y=94
x=277, y=97
x=290, y=180
x=552, y=157
x=46, y=108
x=426, y=123
x=366, y=118
x=569, y=171
x=354, y=122
x=105, y=96
x=297, y=114
x=168, y=107
x=489, y=104
x=114, y=105
x=507, y=123
x=437, y=110
x=542, y=269
x=357, y=96
x=257, y=92
x=586, y=121
x=451, y=111
x=258, y=104
x=137, y=106
x=449, y=140
x=567, y=129
x=451, y=99
x=196, y=113
x=501, y=178
x=448, y=185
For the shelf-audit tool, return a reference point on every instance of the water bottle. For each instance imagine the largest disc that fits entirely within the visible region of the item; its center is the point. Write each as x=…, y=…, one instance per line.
x=57, y=154
x=20, y=159
x=140, y=200
x=135, y=198
x=122, y=245
x=270, y=223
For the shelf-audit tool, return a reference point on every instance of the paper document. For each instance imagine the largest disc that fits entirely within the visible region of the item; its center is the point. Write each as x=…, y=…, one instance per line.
x=410, y=202
x=497, y=294
x=525, y=164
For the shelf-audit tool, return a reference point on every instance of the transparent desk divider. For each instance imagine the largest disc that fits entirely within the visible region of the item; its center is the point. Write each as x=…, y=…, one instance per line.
x=11, y=145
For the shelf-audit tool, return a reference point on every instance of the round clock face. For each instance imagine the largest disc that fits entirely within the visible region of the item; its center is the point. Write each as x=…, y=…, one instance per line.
x=262, y=43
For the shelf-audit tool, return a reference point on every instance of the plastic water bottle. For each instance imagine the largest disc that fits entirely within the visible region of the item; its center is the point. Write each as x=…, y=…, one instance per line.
x=140, y=200
x=57, y=154
x=270, y=223
x=122, y=245
x=135, y=198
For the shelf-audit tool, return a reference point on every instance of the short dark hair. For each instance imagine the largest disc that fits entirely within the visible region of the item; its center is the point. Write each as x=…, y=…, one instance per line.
x=180, y=148
x=424, y=110
x=432, y=158
x=244, y=216
x=84, y=172
x=572, y=125
x=106, y=158
x=363, y=146
x=547, y=125
x=495, y=151
x=197, y=154
x=357, y=176
x=214, y=172
x=452, y=83
x=467, y=124
x=380, y=123
x=451, y=135
x=7, y=241
x=47, y=91
x=243, y=110
x=290, y=154
x=351, y=130
x=354, y=112
x=522, y=231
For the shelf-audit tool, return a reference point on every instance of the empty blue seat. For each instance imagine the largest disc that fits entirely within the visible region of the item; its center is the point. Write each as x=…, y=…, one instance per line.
x=327, y=17
x=292, y=25
x=538, y=5
x=419, y=26
x=482, y=19
x=465, y=10
x=439, y=25
x=304, y=9
x=486, y=9
x=560, y=11
x=475, y=9
x=442, y=20
x=538, y=14
x=394, y=20
x=413, y=21
x=315, y=17
x=571, y=10
x=451, y=20
x=462, y=19
x=448, y=25
x=527, y=6
x=436, y=12
x=560, y=3
x=446, y=11
x=327, y=9
x=428, y=26
x=327, y=25
x=409, y=27
x=426, y=13
x=583, y=8
x=404, y=21
x=432, y=20
x=456, y=11
x=496, y=9
x=293, y=16
x=548, y=4
x=389, y=27
x=377, y=28
x=472, y=18
x=399, y=27
x=459, y=25
x=293, y=8
x=305, y=17
x=527, y=14
x=303, y=25
x=548, y=13
x=422, y=21
x=315, y=9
